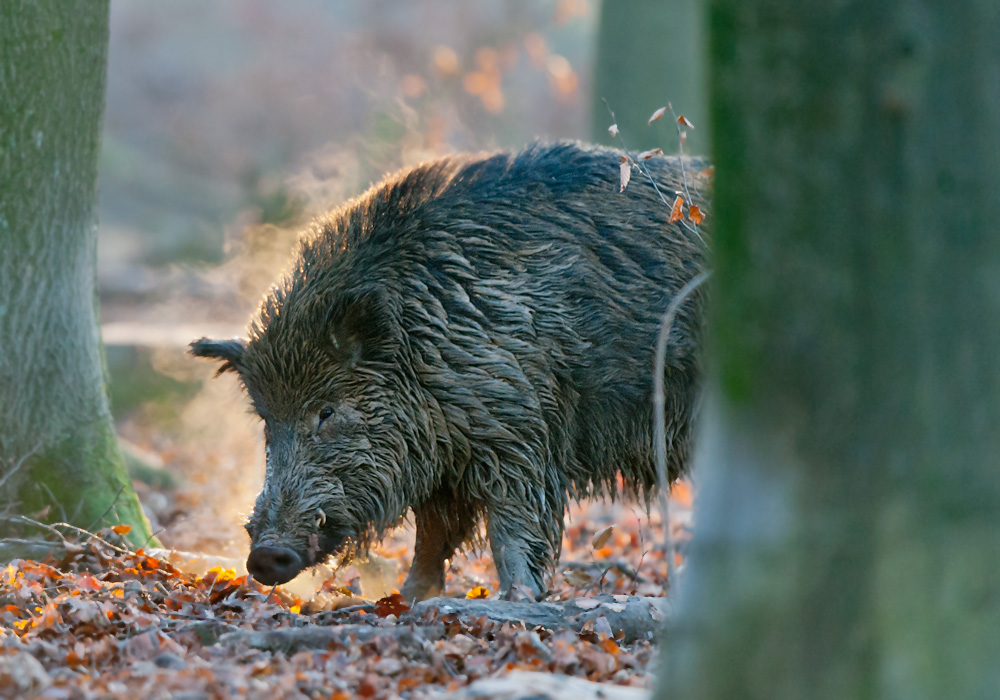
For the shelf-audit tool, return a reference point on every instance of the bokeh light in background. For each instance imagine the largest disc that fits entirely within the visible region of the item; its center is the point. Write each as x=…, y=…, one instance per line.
x=236, y=112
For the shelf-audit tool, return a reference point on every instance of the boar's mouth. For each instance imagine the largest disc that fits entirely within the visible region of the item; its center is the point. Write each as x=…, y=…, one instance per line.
x=272, y=563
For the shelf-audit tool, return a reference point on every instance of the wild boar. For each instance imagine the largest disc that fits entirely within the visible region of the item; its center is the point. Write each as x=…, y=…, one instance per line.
x=471, y=340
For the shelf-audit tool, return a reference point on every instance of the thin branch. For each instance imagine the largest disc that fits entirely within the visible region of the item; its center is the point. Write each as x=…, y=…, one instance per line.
x=55, y=501
x=631, y=157
x=18, y=464
x=693, y=227
x=114, y=502
x=659, y=414
x=645, y=171
x=680, y=150
x=79, y=530
x=31, y=543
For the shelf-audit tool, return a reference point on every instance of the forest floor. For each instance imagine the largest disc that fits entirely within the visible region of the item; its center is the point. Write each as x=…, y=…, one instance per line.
x=99, y=621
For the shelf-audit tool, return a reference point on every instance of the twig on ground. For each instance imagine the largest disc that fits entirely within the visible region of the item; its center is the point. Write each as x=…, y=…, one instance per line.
x=79, y=530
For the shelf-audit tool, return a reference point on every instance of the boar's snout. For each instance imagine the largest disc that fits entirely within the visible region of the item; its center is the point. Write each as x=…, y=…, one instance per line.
x=273, y=565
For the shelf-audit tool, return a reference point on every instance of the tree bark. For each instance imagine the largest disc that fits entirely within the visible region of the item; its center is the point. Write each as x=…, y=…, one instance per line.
x=57, y=442
x=848, y=533
x=650, y=52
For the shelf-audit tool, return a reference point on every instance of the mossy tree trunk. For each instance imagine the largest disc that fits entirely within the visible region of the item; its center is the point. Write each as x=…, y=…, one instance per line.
x=57, y=441
x=650, y=52
x=848, y=539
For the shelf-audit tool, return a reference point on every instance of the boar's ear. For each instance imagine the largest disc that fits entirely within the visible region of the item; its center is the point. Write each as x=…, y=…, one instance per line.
x=229, y=351
x=363, y=326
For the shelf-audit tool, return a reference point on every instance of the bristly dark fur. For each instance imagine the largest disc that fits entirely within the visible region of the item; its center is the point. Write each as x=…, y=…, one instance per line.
x=480, y=330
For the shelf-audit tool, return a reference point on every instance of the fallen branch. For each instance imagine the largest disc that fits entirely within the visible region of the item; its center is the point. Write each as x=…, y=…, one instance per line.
x=17, y=548
x=290, y=640
x=633, y=617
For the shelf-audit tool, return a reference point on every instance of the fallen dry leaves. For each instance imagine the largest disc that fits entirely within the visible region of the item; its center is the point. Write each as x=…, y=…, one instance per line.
x=106, y=623
x=101, y=623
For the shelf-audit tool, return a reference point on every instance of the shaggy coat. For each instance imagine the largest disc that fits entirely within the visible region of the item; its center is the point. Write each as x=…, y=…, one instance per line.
x=472, y=340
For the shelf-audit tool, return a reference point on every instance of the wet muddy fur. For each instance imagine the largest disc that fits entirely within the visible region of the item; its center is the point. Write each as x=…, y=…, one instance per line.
x=472, y=340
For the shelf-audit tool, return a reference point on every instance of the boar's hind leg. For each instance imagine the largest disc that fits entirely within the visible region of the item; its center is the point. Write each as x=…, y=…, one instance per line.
x=438, y=535
x=521, y=551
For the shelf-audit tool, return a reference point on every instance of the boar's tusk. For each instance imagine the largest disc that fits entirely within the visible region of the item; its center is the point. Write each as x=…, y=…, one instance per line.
x=320, y=519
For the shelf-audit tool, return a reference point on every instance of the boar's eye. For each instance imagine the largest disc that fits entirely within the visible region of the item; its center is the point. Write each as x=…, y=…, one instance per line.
x=325, y=413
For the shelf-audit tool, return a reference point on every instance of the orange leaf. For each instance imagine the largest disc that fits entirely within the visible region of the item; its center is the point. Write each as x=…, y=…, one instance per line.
x=646, y=155
x=49, y=618
x=478, y=592
x=683, y=121
x=86, y=582
x=394, y=604
x=657, y=115
x=408, y=684
x=217, y=574
x=625, y=173
x=680, y=491
x=121, y=529
x=677, y=211
x=694, y=213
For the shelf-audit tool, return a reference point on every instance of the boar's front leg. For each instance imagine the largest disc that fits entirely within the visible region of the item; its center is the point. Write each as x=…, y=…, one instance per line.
x=520, y=549
x=441, y=528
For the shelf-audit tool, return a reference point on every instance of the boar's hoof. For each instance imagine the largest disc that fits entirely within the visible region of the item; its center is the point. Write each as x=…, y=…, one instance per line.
x=273, y=565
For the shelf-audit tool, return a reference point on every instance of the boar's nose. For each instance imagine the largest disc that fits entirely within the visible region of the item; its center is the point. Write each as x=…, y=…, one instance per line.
x=273, y=565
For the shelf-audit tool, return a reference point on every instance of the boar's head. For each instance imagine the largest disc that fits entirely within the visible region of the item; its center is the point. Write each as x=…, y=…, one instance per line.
x=326, y=372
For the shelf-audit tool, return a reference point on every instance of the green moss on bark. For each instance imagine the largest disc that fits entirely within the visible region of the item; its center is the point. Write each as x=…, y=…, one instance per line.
x=82, y=480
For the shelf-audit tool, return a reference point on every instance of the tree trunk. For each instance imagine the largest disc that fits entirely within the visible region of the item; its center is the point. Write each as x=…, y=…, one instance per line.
x=650, y=52
x=57, y=442
x=848, y=539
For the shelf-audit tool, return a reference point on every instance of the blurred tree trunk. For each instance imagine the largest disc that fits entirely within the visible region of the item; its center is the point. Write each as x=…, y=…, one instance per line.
x=848, y=539
x=650, y=52
x=57, y=442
